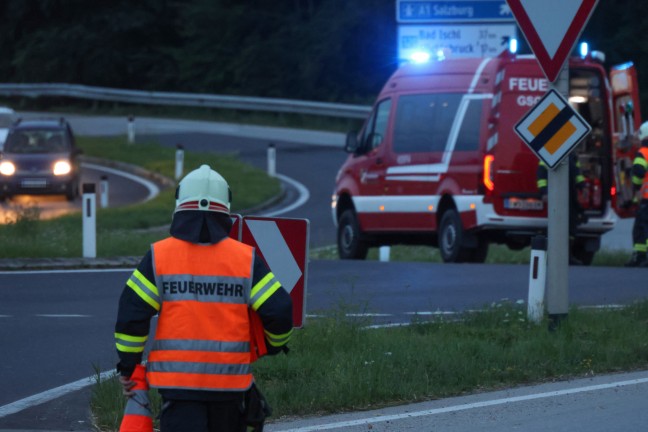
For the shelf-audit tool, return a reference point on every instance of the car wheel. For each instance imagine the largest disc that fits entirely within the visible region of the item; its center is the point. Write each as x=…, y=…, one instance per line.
x=451, y=237
x=349, y=237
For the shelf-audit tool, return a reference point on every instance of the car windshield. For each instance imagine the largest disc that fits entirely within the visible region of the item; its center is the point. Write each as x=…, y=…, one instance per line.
x=36, y=141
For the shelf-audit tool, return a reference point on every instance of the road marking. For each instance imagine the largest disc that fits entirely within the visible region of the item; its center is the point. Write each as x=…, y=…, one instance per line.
x=153, y=190
x=17, y=272
x=51, y=394
x=63, y=316
x=302, y=191
x=6, y=316
x=464, y=407
x=431, y=313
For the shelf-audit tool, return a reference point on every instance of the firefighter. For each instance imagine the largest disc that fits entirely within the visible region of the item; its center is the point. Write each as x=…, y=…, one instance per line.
x=640, y=187
x=576, y=213
x=203, y=285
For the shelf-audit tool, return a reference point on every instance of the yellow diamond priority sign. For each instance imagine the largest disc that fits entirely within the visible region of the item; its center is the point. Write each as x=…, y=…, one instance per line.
x=552, y=128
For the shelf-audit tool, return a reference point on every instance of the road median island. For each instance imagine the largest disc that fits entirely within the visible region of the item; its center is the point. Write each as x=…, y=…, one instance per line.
x=126, y=231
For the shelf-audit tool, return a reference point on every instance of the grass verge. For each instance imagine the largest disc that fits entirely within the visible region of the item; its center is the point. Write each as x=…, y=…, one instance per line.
x=128, y=230
x=336, y=364
x=497, y=254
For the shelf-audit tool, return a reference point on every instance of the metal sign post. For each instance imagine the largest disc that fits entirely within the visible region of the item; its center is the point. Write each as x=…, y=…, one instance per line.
x=557, y=294
x=552, y=129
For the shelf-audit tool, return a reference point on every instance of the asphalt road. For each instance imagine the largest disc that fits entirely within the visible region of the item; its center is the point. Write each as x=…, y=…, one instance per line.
x=56, y=327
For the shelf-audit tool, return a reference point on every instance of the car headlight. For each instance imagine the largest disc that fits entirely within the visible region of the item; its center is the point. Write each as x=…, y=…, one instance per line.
x=62, y=168
x=7, y=168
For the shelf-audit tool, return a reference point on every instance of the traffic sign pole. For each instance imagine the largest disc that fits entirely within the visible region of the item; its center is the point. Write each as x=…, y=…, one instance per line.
x=558, y=229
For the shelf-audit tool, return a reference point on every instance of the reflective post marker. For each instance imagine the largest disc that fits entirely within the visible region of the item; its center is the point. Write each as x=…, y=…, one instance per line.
x=89, y=220
x=103, y=190
x=537, y=279
x=272, y=160
x=131, y=130
x=383, y=252
x=179, y=161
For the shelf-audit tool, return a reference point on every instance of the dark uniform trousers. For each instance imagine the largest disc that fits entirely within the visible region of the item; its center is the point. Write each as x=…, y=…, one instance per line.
x=202, y=416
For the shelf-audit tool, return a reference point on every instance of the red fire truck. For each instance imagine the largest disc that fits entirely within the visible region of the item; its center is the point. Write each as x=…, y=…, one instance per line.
x=437, y=161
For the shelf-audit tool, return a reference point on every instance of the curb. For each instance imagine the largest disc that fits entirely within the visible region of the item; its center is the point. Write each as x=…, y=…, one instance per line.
x=164, y=181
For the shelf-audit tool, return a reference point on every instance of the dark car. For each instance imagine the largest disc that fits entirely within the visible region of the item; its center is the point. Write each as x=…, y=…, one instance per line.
x=40, y=157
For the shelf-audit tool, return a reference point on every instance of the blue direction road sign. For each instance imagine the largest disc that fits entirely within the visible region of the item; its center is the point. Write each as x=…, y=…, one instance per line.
x=449, y=11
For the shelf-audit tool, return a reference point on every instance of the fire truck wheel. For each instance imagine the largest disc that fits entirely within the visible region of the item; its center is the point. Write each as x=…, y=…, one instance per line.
x=479, y=254
x=450, y=237
x=350, y=243
x=581, y=254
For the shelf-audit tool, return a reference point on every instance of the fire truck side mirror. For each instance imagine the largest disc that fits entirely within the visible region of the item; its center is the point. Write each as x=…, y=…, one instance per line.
x=351, y=145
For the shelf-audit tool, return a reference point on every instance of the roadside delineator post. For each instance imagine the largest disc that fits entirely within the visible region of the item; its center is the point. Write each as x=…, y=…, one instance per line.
x=179, y=161
x=272, y=160
x=537, y=279
x=89, y=221
x=383, y=253
x=130, y=129
x=103, y=191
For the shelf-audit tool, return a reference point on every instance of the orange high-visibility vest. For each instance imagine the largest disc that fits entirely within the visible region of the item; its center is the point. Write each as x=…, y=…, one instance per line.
x=644, y=185
x=137, y=414
x=203, y=335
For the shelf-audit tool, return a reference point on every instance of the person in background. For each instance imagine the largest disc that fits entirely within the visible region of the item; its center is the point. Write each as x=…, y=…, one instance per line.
x=576, y=212
x=640, y=187
x=206, y=288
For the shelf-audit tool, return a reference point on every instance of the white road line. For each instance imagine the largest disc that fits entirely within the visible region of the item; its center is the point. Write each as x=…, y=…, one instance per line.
x=356, y=315
x=17, y=272
x=152, y=187
x=431, y=313
x=464, y=407
x=49, y=395
x=6, y=316
x=63, y=316
x=302, y=191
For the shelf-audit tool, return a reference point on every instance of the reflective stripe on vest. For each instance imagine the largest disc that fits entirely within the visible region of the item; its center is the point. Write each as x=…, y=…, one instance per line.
x=644, y=184
x=202, y=341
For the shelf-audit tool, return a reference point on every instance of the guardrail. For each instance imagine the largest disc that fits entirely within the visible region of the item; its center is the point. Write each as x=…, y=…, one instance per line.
x=185, y=99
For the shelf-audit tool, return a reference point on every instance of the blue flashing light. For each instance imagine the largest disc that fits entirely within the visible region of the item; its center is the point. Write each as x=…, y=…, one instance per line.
x=627, y=65
x=583, y=49
x=513, y=46
x=420, y=57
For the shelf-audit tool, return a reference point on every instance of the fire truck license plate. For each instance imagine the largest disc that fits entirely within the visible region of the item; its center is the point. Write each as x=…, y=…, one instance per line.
x=523, y=204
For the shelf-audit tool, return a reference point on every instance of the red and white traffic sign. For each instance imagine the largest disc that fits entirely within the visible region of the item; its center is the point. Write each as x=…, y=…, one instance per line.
x=552, y=27
x=237, y=226
x=283, y=244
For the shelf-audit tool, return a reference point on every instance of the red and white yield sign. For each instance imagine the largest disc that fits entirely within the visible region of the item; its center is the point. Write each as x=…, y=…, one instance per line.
x=552, y=27
x=283, y=244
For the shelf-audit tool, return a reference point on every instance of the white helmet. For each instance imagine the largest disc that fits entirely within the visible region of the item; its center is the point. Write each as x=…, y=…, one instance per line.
x=643, y=131
x=203, y=189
